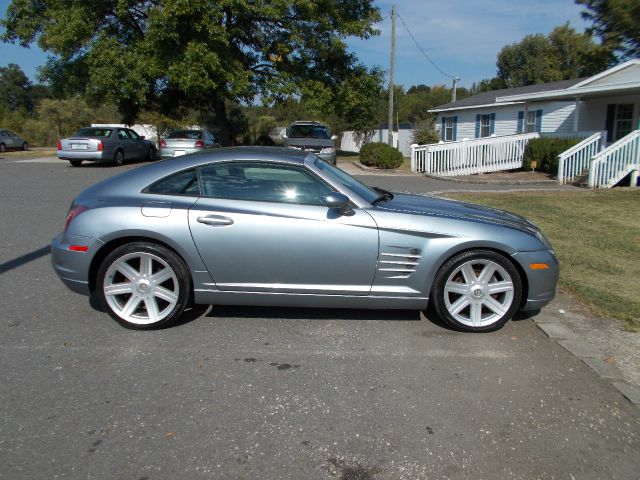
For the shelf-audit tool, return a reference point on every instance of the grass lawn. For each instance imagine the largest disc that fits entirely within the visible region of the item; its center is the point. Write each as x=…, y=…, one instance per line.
x=33, y=153
x=596, y=236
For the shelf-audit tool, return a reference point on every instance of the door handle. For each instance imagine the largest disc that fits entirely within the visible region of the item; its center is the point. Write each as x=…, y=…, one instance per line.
x=215, y=220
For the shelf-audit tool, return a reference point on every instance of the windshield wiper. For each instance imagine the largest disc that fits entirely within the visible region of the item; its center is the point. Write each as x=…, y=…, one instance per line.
x=384, y=195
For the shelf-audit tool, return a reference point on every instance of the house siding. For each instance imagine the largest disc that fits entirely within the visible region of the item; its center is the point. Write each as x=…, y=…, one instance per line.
x=629, y=74
x=593, y=113
x=556, y=117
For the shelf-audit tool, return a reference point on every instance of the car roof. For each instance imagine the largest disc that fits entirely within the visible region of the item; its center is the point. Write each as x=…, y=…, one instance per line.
x=308, y=122
x=135, y=180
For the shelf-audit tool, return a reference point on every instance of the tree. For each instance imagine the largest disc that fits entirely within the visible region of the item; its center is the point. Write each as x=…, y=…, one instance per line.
x=563, y=54
x=172, y=55
x=617, y=23
x=14, y=88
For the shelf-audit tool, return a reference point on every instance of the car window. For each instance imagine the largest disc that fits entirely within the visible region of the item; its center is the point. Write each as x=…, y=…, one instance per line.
x=189, y=134
x=263, y=183
x=93, y=132
x=181, y=183
x=309, y=131
x=337, y=176
x=3, y=133
x=122, y=134
x=133, y=134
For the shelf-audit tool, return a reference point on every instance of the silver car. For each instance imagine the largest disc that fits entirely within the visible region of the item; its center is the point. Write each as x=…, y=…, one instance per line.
x=276, y=227
x=11, y=141
x=182, y=142
x=108, y=144
x=312, y=137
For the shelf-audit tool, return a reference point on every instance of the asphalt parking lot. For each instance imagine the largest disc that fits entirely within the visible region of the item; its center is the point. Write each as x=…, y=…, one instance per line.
x=255, y=393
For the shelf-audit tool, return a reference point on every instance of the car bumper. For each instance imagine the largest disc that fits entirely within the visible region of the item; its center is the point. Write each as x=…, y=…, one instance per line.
x=79, y=155
x=177, y=152
x=541, y=283
x=72, y=266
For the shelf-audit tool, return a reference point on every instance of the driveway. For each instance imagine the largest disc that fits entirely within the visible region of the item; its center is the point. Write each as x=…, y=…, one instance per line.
x=257, y=393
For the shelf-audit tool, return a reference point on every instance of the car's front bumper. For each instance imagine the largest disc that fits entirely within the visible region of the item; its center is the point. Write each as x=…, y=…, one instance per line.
x=541, y=283
x=72, y=266
x=80, y=155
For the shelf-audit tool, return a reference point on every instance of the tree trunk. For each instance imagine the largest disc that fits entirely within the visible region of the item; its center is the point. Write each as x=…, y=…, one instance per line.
x=222, y=123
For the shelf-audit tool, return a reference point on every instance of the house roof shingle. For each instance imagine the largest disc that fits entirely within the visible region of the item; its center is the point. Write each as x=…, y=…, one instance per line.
x=487, y=98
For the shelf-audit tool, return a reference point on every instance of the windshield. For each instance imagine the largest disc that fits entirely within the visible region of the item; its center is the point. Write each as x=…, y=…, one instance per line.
x=335, y=175
x=93, y=132
x=190, y=134
x=309, y=131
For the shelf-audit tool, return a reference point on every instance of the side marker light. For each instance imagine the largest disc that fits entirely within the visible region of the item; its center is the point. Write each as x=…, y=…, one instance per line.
x=78, y=248
x=538, y=266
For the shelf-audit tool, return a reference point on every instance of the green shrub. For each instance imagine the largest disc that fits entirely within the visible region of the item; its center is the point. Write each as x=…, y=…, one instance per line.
x=545, y=151
x=381, y=155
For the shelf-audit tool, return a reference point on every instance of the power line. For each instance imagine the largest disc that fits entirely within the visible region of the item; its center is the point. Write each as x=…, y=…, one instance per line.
x=421, y=50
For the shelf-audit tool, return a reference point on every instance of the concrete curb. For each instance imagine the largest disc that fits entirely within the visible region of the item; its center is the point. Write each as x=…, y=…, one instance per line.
x=592, y=357
x=490, y=182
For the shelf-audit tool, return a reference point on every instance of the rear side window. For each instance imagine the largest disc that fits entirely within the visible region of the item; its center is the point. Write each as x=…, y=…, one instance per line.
x=93, y=132
x=187, y=134
x=181, y=183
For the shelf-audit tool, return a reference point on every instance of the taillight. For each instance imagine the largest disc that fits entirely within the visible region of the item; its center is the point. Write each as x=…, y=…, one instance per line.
x=100, y=146
x=163, y=144
x=59, y=145
x=199, y=144
x=74, y=211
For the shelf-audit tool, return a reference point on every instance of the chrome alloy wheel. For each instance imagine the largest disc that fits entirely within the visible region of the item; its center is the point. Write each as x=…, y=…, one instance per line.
x=478, y=293
x=141, y=288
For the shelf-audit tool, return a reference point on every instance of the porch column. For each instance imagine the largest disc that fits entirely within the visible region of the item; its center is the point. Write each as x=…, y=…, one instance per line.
x=576, y=115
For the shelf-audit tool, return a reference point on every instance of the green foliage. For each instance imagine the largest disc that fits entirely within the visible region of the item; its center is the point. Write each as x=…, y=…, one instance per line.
x=381, y=155
x=545, y=151
x=617, y=23
x=425, y=132
x=17, y=92
x=563, y=54
x=168, y=56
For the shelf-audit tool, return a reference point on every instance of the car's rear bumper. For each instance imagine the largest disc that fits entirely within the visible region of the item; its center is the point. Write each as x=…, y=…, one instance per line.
x=80, y=155
x=72, y=266
x=541, y=283
x=176, y=152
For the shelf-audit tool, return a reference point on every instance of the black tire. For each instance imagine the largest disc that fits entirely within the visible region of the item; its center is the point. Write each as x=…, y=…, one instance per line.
x=484, y=311
x=3, y=148
x=25, y=146
x=118, y=158
x=75, y=163
x=151, y=155
x=141, y=317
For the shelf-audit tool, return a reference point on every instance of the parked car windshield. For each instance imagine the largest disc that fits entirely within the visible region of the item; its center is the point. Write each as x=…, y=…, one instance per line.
x=336, y=175
x=190, y=134
x=309, y=131
x=93, y=132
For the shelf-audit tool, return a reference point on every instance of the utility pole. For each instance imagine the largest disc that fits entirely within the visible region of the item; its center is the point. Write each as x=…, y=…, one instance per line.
x=393, y=55
x=455, y=88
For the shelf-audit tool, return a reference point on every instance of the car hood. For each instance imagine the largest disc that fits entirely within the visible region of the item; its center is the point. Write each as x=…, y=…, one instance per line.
x=446, y=208
x=316, y=142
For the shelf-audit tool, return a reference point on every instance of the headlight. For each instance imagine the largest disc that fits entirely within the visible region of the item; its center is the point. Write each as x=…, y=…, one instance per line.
x=328, y=150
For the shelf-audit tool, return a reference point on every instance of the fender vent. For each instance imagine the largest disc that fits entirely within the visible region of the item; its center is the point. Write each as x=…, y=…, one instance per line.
x=399, y=265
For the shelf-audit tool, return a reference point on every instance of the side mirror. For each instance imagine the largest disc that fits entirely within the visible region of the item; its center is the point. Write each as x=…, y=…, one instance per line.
x=142, y=137
x=334, y=137
x=284, y=135
x=338, y=201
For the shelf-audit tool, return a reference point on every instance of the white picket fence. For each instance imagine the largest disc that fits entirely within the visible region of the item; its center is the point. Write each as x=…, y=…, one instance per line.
x=469, y=157
x=615, y=162
x=574, y=161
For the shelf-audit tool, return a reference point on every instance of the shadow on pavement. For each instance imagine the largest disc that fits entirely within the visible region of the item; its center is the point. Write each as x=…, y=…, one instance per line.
x=313, y=313
x=24, y=259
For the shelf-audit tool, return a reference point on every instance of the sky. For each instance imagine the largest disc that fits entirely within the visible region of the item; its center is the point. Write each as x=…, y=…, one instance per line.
x=461, y=37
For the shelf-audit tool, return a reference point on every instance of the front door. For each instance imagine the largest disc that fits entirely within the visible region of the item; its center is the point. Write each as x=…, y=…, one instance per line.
x=263, y=228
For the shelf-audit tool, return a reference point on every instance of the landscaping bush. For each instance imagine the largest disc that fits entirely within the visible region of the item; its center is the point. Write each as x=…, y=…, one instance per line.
x=545, y=151
x=381, y=155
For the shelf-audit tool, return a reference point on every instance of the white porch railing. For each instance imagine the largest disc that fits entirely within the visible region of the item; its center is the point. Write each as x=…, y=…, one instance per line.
x=616, y=162
x=574, y=161
x=468, y=157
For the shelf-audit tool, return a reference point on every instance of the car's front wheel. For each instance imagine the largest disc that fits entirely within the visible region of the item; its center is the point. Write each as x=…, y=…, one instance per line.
x=476, y=291
x=151, y=155
x=25, y=146
x=3, y=148
x=143, y=285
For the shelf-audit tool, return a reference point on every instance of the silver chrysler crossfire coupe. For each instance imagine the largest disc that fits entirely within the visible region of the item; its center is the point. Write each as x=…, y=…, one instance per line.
x=279, y=227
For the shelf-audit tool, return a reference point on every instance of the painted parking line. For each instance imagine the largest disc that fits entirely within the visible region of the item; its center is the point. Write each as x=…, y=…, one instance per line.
x=41, y=160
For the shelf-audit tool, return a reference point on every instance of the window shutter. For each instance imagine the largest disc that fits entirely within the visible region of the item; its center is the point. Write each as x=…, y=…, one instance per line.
x=520, y=128
x=478, y=126
x=538, y=121
x=611, y=117
x=455, y=129
x=492, y=124
x=443, y=135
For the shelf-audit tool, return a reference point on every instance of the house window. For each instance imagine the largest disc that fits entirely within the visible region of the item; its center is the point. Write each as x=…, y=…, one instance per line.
x=531, y=122
x=623, y=124
x=448, y=129
x=485, y=125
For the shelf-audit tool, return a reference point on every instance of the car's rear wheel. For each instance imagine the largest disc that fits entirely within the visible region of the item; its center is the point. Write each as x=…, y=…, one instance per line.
x=151, y=155
x=143, y=285
x=75, y=163
x=118, y=158
x=476, y=291
x=3, y=148
x=25, y=146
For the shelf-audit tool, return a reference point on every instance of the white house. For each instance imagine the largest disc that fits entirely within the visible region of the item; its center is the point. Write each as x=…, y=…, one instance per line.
x=402, y=138
x=489, y=131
